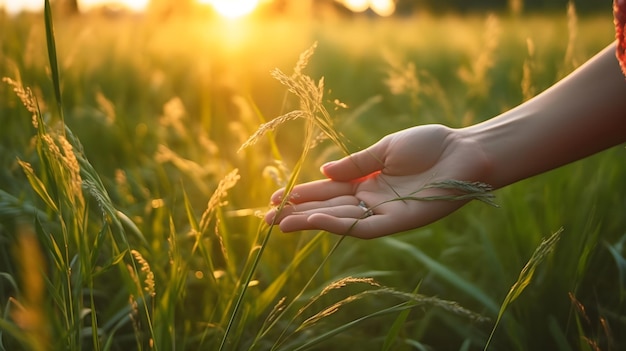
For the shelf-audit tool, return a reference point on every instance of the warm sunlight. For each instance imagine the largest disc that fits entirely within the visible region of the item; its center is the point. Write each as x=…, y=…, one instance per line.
x=383, y=7
x=356, y=5
x=15, y=6
x=232, y=8
x=380, y=7
x=134, y=5
x=227, y=8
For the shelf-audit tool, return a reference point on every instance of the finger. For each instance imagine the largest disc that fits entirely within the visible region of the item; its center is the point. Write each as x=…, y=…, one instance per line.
x=344, y=200
x=384, y=223
x=307, y=208
x=297, y=221
x=357, y=165
x=366, y=228
x=277, y=196
x=318, y=190
x=270, y=216
x=344, y=211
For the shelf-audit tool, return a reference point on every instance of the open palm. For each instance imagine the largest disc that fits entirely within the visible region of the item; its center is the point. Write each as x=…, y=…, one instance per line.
x=386, y=180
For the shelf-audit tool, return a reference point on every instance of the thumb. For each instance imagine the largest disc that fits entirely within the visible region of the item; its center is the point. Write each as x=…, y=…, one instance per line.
x=357, y=165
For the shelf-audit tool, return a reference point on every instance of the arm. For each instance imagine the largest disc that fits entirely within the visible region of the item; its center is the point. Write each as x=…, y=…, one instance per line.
x=581, y=115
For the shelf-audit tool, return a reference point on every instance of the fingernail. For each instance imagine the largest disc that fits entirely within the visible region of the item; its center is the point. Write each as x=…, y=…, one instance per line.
x=327, y=164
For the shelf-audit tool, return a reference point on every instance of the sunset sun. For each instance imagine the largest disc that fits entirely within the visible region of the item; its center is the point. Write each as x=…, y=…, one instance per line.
x=233, y=8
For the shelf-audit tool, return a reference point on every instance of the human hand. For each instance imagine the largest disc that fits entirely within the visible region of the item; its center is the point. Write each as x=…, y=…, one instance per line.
x=385, y=189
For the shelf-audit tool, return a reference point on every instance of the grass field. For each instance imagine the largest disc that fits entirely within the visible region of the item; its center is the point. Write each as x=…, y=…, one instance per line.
x=130, y=220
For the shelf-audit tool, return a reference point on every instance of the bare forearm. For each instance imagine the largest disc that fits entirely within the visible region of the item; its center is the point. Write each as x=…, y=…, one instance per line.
x=583, y=114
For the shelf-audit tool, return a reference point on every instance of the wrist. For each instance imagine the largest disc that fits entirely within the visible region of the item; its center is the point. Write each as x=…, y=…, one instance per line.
x=499, y=145
x=471, y=157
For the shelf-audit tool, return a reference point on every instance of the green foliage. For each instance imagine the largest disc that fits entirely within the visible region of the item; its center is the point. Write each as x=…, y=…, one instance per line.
x=146, y=215
x=526, y=275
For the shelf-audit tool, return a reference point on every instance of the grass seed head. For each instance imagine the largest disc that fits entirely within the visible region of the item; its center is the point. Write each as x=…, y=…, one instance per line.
x=348, y=280
x=145, y=268
x=217, y=199
x=27, y=98
x=270, y=126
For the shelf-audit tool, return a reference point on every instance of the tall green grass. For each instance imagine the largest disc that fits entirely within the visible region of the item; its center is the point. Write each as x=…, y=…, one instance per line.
x=140, y=219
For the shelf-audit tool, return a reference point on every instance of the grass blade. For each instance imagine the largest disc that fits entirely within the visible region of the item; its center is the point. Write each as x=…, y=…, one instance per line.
x=37, y=185
x=325, y=336
x=244, y=287
x=526, y=276
x=396, y=326
x=52, y=57
x=272, y=291
x=444, y=272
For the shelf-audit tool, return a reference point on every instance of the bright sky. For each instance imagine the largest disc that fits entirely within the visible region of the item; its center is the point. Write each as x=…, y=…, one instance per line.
x=135, y=5
x=232, y=8
x=381, y=7
x=14, y=6
x=227, y=8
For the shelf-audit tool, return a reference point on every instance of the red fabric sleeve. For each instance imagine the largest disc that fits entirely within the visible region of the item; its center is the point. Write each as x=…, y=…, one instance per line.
x=619, y=12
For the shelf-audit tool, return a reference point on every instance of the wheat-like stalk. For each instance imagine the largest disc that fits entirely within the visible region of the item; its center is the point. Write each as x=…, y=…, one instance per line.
x=27, y=98
x=73, y=169
x=107, y=107
x=311, y=97
x=217, y=199
x=145, y=268
x=528, y=91
x=569, y=59
x=460, y=191
x=415, y=299
x=270, y=126
x=348, y=280
x=468, y=191
x=475, y=76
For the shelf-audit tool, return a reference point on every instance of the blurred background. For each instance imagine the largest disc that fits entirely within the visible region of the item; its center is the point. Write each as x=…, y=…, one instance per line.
x=375, y=7
x=161, y=94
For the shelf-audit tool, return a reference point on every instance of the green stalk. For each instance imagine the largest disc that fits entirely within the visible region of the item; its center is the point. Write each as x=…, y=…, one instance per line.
x=257, y=258
x=52, y=57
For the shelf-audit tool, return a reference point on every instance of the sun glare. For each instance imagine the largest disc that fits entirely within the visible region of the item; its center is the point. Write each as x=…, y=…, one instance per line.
x=15, y=6
x=133, y=5
x=233, y=8
x=380, y=7
x=225, y=8
x=230, y=9
x=383, y=7
x=357, y=5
